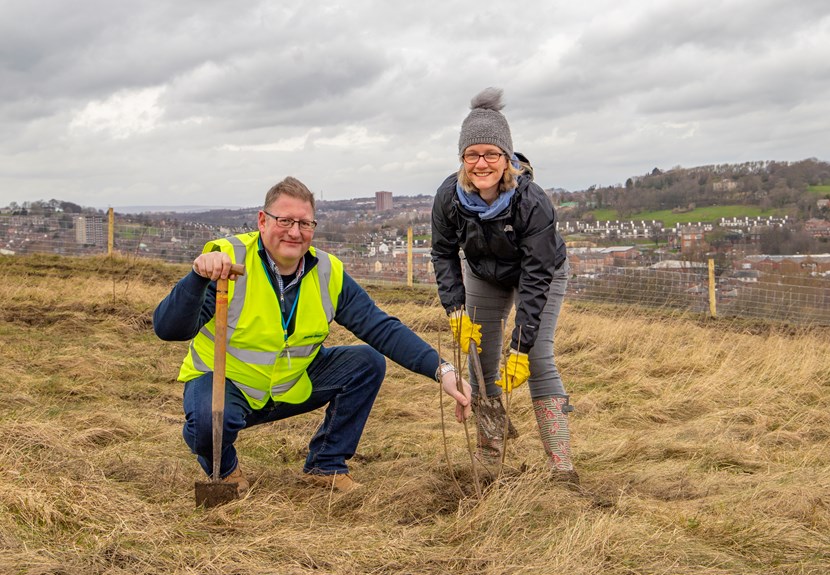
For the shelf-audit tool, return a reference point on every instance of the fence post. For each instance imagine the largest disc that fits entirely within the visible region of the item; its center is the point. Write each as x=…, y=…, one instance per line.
x=712, y=287
x=409, y=256
x=111, y=231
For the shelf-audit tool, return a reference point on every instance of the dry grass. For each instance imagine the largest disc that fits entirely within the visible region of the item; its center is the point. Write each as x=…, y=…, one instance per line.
x=702, y=446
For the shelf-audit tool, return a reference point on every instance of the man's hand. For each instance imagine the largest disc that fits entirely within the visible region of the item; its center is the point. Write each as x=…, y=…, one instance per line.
x=463, y=402
x=515, y=372
x=214, y=265
x=464, y=330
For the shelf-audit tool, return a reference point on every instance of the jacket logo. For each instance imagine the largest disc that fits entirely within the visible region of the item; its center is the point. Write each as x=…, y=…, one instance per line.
x=508, y=228
x=313, y=336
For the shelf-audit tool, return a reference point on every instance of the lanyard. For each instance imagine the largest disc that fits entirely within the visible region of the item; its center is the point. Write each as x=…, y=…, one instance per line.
x=285, y=321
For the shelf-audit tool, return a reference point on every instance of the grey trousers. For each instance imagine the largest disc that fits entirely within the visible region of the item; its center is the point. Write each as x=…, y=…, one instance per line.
x=489, y=305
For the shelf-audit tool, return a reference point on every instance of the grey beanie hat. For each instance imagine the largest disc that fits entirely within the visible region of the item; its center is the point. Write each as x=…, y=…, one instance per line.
x=485, y=124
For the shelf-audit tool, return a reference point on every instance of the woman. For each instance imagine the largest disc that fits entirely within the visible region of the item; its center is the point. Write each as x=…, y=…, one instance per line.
x=505, y=225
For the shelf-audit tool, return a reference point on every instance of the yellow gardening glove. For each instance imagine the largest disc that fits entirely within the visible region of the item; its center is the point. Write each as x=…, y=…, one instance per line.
x=517, y=370
x=464, y=330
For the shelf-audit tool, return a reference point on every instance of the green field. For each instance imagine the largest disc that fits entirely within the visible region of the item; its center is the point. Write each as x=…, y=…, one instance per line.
x=819, y=190
x=707, y=214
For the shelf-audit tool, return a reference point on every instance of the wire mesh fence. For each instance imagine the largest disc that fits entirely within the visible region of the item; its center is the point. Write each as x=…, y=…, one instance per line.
x=797, y=299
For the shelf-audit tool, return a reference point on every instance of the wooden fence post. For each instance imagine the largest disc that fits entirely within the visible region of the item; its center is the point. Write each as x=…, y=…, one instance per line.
x=713, y=311
x=111, y=231
x=409, y=256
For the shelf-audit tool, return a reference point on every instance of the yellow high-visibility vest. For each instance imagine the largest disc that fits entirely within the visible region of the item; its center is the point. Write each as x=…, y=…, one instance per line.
x=259, y=362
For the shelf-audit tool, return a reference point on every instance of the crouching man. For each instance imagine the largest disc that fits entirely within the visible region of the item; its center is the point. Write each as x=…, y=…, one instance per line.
x=278, y=320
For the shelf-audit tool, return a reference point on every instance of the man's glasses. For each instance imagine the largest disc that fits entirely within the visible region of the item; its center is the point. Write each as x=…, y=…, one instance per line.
x=489, y=157
x=304, y=225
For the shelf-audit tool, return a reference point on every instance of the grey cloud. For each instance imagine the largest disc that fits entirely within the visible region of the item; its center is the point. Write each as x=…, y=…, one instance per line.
x=366, y=95
x=291, y=86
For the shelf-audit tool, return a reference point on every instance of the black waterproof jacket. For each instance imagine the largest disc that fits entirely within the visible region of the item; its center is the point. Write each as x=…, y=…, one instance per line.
x=517, y=249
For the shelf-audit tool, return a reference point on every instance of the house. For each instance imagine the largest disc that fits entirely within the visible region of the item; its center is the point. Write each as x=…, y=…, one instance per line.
x=627, y=253
x=818, y=264
x=590, y=260
x=817, y=228
x=691, y=238
x=680, y=266
x=586, y=261
x=746, y=275
x=724, y=186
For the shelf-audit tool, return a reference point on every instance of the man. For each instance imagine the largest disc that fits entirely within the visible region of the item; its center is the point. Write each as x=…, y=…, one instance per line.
x=278, y=319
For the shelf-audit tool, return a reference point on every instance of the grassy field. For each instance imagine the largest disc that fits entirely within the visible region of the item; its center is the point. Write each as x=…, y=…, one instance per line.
x=705, y=214
x=820, y=190
x=703, y=447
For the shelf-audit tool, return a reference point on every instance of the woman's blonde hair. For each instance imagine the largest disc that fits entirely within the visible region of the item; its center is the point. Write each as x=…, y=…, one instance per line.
x=508, y=179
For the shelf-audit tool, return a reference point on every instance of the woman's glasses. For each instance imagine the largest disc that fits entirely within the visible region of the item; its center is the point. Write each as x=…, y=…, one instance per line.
x=489, y=157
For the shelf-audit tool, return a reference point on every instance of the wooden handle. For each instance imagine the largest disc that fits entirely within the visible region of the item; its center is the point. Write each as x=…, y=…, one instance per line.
x=220, y=348
x=475, y=362
x=219, y=351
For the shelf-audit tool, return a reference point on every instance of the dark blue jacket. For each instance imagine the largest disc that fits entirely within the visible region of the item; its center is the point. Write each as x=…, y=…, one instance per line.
x=192, y=303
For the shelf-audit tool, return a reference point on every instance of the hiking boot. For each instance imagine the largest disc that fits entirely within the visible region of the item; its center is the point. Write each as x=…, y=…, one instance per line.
x=236, y=476
x=341, y=482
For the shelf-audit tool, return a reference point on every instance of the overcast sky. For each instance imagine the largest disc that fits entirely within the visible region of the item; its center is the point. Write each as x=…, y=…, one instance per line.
x=198, y=102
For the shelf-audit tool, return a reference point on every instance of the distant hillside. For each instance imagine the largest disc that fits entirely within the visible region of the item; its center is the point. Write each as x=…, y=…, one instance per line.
x=169, y=209
x=789, y=187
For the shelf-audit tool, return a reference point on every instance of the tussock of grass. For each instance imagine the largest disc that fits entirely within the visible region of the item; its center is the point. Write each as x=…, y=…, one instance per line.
x=703, y=447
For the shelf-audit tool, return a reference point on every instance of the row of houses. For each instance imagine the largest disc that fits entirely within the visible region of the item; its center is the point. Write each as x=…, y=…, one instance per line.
x=634, y=229
x=813, y=265
x=747, y=223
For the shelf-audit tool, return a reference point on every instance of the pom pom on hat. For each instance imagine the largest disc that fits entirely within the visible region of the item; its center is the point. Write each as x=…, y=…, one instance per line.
x=485, y=123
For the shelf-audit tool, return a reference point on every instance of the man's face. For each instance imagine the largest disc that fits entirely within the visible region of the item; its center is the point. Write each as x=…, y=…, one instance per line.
x=287, y=246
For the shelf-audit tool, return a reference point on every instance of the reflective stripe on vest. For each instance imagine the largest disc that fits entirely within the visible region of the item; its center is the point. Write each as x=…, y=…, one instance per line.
x=324, y=272
x=264, y=357
x=240, y=287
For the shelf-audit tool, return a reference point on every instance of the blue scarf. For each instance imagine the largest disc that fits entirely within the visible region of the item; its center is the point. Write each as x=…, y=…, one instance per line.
x=485, y=211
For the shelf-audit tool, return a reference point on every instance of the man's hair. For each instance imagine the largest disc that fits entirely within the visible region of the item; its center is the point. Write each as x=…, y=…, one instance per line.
x=291, y=187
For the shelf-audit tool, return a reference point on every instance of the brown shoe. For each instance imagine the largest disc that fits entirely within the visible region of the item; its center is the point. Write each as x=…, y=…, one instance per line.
x=236, y=476
x=342, y=482
x=570, y=478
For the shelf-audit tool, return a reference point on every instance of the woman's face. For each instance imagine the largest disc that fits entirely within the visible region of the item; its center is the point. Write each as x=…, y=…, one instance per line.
x=485, y=175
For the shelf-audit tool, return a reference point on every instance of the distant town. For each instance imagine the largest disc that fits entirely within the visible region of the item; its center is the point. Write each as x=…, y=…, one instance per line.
x=378, y=229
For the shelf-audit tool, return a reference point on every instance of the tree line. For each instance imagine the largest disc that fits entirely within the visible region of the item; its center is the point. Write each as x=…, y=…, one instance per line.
x=768, y=184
